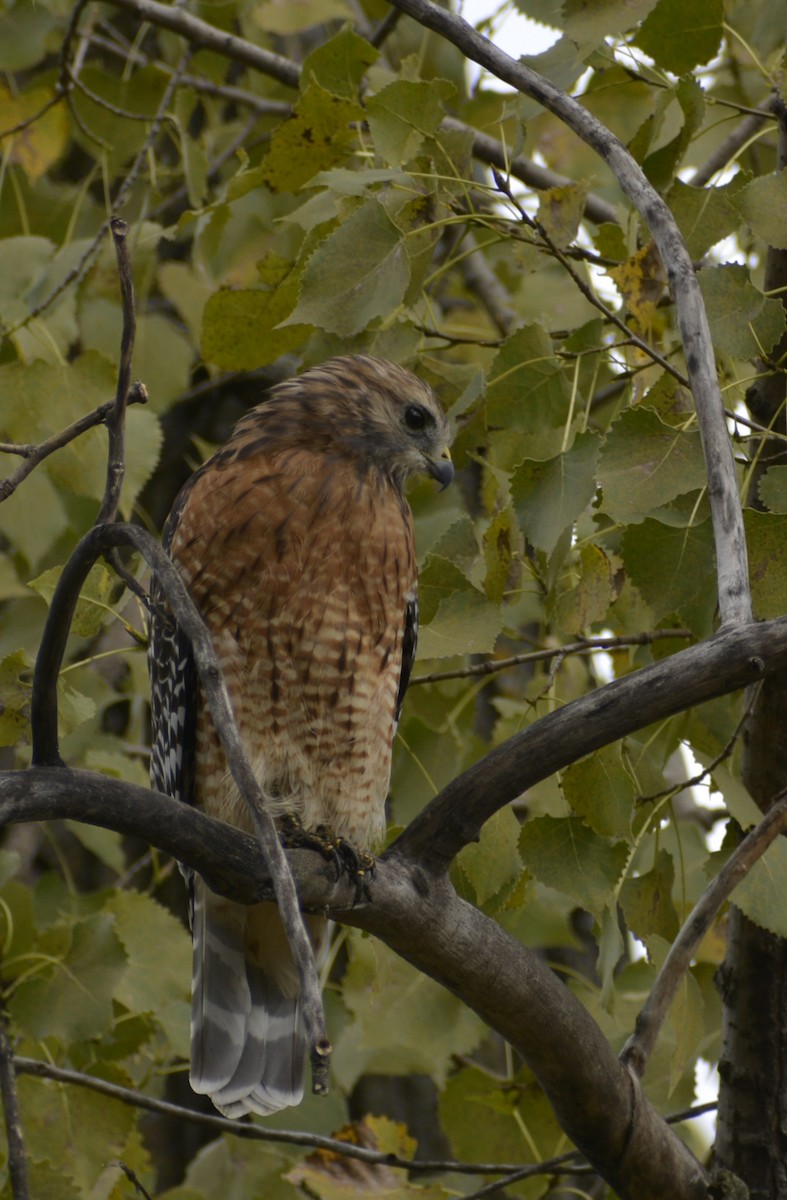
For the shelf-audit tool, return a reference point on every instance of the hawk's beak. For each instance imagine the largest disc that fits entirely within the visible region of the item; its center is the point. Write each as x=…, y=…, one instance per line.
x=442, y=469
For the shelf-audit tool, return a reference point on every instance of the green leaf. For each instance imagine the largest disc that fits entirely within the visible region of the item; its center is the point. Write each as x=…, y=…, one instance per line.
x=762, y=895
x=588, y=602
x=144, y=439
x=238, y=329
x=549, y=496
x=502, y=546
x=492, y=864
x=772, y=489
x=601, y=790
x=645, y=463
x=488, y=1119
x=358, y=273
x=315, y=137
x=105, y=844
x=90, y=613
x=465, y=623
x=74, y=707
x=681, y=34
x=565, y=854
x=660, y=163
x=402, y=114
x=340, y=63
x=431, y=1025
x=743, y=322
x=766, y=537
x=27, y=34
x=158, y=949
x=78, y=1140
x=34, y=516
x=646, y=901
x=705, y=215
x=560, y=211
x=762, y=204
x=674, y=570
x=72, y=1000
x=595, y=20
x=527, y=392
x=15, y=692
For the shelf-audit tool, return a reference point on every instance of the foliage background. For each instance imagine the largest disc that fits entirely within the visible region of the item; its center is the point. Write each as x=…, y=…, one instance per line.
x=339, y=199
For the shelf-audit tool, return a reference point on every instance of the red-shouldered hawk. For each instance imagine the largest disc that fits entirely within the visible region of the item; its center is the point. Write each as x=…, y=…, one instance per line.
x=296, y=543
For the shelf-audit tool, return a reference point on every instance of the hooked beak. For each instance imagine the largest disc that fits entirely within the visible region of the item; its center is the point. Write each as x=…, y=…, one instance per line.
x=442, y=469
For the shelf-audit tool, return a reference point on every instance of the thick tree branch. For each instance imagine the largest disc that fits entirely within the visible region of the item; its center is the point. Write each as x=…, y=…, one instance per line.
x=203, y=36
x=731, y=554
x=596, y=1099
x=732, y=659
x=101, y=540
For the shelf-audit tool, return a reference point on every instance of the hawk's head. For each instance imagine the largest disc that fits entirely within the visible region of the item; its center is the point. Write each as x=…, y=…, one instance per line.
x=366, y=409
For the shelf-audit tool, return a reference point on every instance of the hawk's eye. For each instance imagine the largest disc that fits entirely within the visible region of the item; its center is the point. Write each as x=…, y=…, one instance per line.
x=416, y=417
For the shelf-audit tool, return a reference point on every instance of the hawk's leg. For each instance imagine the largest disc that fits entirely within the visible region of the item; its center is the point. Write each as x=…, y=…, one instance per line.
x=358, y=865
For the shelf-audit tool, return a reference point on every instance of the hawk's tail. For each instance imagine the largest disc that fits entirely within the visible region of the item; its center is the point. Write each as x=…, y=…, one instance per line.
x=248, y=1044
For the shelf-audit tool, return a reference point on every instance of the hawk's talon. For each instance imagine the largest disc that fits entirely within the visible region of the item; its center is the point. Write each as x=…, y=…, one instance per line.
x=358, y=865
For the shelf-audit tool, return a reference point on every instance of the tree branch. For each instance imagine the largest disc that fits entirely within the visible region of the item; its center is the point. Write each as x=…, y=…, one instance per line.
x=596, y=1100
x=286, y=1137
x=586, y=646
x=17, y=1160
x=733, y=658
x=731, y=553
x=653, y=1014
x=204, y=36
x=116, y=417
x=33, y=455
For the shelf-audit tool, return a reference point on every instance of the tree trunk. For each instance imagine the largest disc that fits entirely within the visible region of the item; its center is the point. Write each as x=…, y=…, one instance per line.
x=752, y=1126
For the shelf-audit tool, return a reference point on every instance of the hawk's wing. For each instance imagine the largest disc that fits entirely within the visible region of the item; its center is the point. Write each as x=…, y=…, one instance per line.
x=173, y=691
x=409, y=646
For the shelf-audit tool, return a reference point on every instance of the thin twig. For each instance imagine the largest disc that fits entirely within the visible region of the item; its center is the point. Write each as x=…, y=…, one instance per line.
x=732, y=144
x=588, y=646
x=132, y=1177
x=727, y=516
x=33, y=455
x=24, y=124
x=587, y=291
x=116, y=417
x=247, y=1130
x=17, y=1159
x=101, y=540
x=494, y=153
x=651, y=1018
x=723, y=754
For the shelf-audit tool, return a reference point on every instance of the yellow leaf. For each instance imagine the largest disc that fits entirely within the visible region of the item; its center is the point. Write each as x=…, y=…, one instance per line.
x=36, y=147
x=640, y=281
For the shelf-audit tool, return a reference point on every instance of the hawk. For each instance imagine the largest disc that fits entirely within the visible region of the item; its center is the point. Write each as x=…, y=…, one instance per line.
x=295, y=541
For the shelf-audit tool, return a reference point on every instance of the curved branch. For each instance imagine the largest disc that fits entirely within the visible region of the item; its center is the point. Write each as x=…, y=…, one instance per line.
x=731, y=554
x=734, y=658
x=596, y=1099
